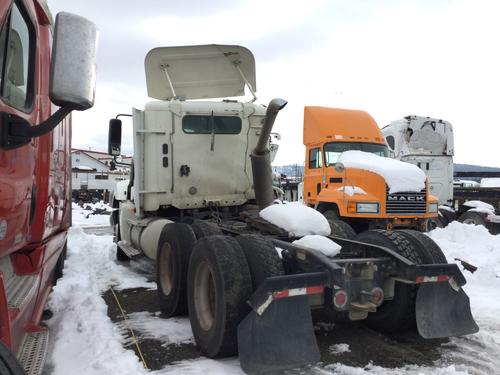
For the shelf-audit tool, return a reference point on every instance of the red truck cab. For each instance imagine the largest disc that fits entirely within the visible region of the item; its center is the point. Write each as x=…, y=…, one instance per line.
x=46, y=71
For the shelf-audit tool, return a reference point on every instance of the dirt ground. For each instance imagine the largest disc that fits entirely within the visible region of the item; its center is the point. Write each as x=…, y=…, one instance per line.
x=366, y=346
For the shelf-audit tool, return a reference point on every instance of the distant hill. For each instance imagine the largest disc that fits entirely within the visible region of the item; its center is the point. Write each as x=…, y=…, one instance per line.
x=298, y=170
x=473, y=168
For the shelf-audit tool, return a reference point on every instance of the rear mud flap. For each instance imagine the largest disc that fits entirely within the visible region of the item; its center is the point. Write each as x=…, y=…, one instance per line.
x=441, y=311
x=279, y=339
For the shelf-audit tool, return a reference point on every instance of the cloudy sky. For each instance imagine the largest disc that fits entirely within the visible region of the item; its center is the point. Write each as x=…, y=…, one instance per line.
x=391, y=58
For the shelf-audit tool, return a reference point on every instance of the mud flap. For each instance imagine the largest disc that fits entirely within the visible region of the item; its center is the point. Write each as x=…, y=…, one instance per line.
x=441, y=311
x=279, y=339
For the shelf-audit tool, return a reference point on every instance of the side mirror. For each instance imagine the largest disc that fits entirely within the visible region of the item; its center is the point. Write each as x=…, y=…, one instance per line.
x=115, y=137
x=339, y=167
x=73, y=68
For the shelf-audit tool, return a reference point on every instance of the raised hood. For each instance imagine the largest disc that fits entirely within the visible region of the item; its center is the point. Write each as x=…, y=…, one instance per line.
x=198, y=72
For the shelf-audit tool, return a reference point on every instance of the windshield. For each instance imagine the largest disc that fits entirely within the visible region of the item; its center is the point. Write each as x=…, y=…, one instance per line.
x=334, y=149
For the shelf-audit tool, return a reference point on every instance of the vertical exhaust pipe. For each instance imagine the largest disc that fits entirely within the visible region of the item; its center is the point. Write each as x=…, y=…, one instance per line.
x=261, y=157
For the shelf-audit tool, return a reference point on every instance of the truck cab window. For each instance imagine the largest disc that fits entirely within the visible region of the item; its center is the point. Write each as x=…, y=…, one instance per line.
x=315, y=159
x=203, y=124
x=334, y=149
x=390, y=141
x=16, y=38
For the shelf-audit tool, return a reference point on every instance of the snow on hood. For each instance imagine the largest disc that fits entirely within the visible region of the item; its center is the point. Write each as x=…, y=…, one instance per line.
x=297, y=219
x=398, y=175
x=320, y=243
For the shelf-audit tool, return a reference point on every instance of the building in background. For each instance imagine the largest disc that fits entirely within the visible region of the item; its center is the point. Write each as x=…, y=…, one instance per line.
x=92, y=176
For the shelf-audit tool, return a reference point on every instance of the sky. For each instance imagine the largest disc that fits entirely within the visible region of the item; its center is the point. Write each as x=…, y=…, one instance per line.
x=438, y=58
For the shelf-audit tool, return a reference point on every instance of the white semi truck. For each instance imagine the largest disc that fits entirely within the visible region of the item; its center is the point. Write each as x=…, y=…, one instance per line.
x=201, y=174
x=429, y=143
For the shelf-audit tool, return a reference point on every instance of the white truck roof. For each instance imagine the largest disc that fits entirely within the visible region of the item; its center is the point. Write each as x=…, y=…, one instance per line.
x=199, y=72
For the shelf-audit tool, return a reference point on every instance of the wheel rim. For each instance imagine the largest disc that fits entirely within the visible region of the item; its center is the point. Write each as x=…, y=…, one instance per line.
x=204, y=296
x=166, y=268
x=470, y=221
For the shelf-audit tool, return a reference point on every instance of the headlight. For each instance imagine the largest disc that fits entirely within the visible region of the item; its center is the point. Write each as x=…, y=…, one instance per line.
x=367, y=208
x=433, y=208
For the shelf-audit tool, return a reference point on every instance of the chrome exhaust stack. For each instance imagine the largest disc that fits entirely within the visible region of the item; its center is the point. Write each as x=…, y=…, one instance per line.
x=261, y=157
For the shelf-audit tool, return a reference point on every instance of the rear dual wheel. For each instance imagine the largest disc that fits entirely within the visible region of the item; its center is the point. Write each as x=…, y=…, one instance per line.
x=174, y=250
x=473, y=217
x=399, y=313
x=219, y=284
x=223, y=272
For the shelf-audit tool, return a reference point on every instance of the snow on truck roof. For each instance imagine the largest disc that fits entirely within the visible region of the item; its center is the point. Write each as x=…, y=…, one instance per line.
x=199, y=72
x=341, y=125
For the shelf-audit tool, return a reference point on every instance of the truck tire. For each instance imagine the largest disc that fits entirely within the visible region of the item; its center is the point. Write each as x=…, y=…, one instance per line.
x=425, y=243
x=172, y=259
x=262, y=258
x=9, y=365
x=219, y=284
x=473, y=217
x=203, y=228
x=340, y=228
x=331, y=215
x=397, y=314
x=447, y=216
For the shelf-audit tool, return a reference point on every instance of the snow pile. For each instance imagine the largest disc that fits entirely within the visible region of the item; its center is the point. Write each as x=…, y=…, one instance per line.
x=477, y=246
x=297, y=219
x=446, y=208
x=474, y=244
x=84, y=339
x=398, y=175
x=490, y=182
x=480, y=206
x=351, y=190
x=320, y=243
x=339, y=348
x=84, y=216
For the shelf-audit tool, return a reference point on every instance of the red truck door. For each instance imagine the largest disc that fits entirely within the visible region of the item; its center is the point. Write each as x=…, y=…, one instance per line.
x=17, y=96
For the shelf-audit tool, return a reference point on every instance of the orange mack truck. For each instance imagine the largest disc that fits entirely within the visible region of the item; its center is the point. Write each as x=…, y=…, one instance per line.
x=350, y=178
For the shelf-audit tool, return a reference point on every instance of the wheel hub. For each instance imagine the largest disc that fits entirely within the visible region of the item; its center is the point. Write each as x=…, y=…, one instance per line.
x=204, y=296
x=166, y=268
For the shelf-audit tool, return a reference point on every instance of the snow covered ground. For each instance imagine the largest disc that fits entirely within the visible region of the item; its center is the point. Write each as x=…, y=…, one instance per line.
x=84, y=217
x=85, y=341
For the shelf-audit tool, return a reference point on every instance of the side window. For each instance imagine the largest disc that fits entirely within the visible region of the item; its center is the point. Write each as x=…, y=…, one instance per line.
x=315, y=159
x=16, y=41
x=390, y=141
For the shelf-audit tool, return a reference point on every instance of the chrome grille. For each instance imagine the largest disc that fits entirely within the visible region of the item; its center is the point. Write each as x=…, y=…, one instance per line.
x=406, y=203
